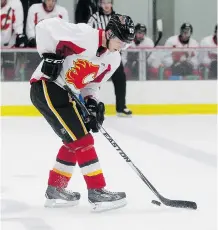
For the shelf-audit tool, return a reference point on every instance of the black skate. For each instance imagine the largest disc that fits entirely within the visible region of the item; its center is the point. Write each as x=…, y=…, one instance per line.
x=102, y=200
x=60, y=197
x=124, y=113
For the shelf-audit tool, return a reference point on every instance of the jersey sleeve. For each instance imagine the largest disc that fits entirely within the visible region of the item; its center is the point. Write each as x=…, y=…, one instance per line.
x=203, y=55
x=19, y=17
x=194, y=54
x=30, y=26
x=93, y=22
x=167, y=56
x=56, y=35
x=93, y=88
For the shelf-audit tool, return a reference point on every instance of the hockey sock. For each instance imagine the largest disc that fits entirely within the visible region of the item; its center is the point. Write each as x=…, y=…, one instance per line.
x=88, y=161
x=63, y=168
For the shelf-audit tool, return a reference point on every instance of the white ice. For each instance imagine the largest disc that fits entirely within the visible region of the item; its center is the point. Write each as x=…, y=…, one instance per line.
x=176, y=153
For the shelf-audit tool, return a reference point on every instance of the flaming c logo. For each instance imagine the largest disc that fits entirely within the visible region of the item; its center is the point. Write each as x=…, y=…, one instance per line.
x=5, y=21
x=81, y=73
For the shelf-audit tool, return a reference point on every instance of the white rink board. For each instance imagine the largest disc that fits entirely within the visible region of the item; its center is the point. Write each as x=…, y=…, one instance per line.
x=149, y=92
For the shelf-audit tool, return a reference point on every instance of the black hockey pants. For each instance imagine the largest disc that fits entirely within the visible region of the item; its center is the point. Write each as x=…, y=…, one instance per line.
x=53, y=103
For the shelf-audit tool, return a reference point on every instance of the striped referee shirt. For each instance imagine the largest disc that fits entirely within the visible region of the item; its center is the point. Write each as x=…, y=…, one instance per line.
x=99, y=20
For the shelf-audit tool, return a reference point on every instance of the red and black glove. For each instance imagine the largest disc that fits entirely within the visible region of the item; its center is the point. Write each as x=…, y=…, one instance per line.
x=97, y=110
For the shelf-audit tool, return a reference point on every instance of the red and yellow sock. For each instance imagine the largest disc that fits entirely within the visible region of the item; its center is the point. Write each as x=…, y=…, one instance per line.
x=63, y=168
x=88, y=161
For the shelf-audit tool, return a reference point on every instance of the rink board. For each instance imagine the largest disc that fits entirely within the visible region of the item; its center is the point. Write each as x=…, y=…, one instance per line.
x=155, y=97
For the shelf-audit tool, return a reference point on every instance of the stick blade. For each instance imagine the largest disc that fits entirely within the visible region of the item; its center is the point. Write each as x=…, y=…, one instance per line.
x=160, y=25
x=179, y=203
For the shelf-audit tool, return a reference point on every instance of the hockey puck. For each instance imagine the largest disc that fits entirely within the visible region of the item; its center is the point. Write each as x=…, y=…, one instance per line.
x=156, y=202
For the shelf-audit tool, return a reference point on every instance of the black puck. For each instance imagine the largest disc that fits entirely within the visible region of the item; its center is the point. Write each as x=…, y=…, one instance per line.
x=156, y=202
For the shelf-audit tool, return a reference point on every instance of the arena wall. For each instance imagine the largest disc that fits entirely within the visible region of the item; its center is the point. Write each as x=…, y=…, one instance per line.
x=148, y=97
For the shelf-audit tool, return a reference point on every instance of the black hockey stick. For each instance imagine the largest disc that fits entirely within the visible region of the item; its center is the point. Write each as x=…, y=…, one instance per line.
x=165, y=201
x=160, y=34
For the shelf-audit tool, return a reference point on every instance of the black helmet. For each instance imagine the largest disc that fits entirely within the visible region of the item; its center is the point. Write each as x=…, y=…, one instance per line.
x=122, y=27
x=186, y=27
x=141, y=28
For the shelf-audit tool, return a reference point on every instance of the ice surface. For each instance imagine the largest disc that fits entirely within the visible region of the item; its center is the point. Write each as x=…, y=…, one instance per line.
x=176, y=153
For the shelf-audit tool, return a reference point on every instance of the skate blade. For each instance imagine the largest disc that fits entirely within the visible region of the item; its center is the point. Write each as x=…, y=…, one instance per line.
x=58, y=203
x=124, y=115
x=107, y=206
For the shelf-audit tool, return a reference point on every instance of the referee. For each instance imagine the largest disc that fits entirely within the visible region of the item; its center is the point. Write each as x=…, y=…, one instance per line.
x=99, y=20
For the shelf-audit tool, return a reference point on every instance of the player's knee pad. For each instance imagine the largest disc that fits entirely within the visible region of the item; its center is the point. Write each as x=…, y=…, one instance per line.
x=82, y=144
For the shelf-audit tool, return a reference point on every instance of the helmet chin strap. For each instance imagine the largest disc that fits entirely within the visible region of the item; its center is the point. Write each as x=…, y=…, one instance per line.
x=107, y=43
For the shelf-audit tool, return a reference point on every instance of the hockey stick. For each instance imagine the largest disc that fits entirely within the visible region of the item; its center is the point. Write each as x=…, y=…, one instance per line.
x=160, y=34
x=165, y=201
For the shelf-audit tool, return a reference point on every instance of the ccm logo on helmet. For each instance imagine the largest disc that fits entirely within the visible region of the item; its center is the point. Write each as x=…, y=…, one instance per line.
x=54, y=61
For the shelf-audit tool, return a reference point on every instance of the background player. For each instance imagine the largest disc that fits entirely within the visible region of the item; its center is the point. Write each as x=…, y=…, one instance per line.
x=12, y=24
x=209, y=58
x=41, y=11
x=182, y=63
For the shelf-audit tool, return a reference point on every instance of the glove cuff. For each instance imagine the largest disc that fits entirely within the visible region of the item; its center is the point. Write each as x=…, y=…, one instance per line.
x=91, y=97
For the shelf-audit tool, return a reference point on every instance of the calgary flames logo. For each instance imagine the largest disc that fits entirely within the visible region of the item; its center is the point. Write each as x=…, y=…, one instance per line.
x=81, y=73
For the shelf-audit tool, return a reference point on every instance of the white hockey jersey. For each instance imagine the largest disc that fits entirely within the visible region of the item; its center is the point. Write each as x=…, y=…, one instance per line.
x=174, y=42
x=37, y=13
x=206, y=56
x=82, y=70
x=11, y=22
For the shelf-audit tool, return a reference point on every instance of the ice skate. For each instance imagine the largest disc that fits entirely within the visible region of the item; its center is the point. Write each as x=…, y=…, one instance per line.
x=103, y=200
x=124, y=113
x=60, y=197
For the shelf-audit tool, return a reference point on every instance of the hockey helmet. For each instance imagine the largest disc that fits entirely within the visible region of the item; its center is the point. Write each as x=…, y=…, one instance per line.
x=186, y=27
x=141, y=28
x=122, y=27
x=105, y=1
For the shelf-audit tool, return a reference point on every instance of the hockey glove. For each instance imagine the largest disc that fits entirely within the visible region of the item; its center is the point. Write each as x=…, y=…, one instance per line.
x=32, y=43
x=52, y=65
x=97, y=111
x=21, y=41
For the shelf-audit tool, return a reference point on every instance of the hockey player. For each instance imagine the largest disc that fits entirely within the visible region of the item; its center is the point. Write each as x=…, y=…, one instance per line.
x=37, y=12
x=12, y=24
x=182, y=63
x=141, y=41
x=82, y=58
x=209, y=58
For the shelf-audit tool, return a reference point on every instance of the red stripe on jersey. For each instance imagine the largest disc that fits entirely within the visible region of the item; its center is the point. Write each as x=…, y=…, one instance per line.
x=13, y=17
x=36, y=18
x=40, y=79
x=67, y=48
x=60, y=16
x=100, y=34
x=102, y=75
